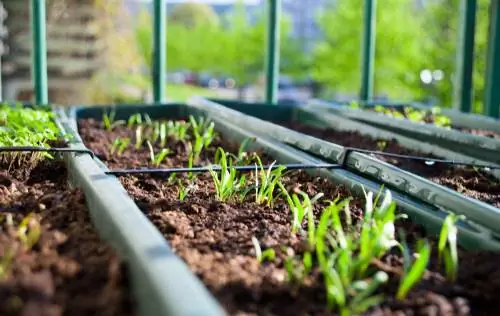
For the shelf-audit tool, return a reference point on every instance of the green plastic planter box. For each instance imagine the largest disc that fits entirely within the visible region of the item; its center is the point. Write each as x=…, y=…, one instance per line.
x=162, y=283
x=481, y=147
x=256, y=116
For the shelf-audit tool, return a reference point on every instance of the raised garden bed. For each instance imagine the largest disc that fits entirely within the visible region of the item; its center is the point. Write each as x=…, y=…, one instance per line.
x=432, y=116
x=413, y=184
x=52, y=262
x=471, y=182
x=471, y=134
x=248, y=249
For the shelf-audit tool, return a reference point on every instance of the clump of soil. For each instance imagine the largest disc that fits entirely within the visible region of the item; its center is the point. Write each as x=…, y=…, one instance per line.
x=214, y=239
x=67, y=270
x=467, y=181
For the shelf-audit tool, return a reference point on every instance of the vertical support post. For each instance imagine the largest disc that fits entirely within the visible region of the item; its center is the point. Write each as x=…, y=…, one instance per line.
x=492, y=88
x=368, y=60
x=273, y=51
x=160, y=51
x=39, y=51
x=464, y=92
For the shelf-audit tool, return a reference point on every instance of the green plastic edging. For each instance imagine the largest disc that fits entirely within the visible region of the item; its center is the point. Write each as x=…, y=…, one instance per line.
x=473, y=145
x=403, y=181
x=162, y=283
x=470, y=235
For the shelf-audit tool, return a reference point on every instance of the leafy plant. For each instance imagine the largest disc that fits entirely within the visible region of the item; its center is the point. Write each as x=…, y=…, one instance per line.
x=29, y=231
x=266, y=255
x=157, y=158
x=119, y=145
x=109, y=122
x=269, y=179
x=447, y=245
x=226, y=181
x=183, y=190
x=414, y=273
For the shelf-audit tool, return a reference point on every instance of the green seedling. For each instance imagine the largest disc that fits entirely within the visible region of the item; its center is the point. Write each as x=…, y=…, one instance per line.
x=139, y=137
x=163, y=134
x=300, y=208
x=183, y=190
x=414, y=273
x=298, y=268
x=5, y=263
x=266, y=182
x=226, y=181
x=262, y=256
x=109, y=122
x=157, y=158
x=381, y=145
x=29, y=231
x=134, y=119
x=119, y=145
x=447, y=245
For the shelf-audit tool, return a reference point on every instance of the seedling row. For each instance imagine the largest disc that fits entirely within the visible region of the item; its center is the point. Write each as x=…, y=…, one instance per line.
x=52, y=261
x=284, y=241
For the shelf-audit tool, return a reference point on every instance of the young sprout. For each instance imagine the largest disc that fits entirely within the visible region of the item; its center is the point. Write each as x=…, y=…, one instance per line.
x=262, y=256
x=119, y=145
x=163, y=134
x=264, y=190
x=183, y=190
x=243, y=158
x=5, y=263
x=414, y=274
x=29, y=231
x=300, y=208
x=448, y=237
x=109, y=120
x=139, y=138
x=157, y=158
x=134, y=119
x=226, y=181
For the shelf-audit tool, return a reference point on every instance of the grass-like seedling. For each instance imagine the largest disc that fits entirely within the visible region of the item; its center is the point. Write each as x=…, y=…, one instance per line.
x=134, y=119
x=300, y=208
x=119, y=145
x=266, y=181
x=204, y=134
x=157, y=158
x=447, y=245
x=139, y=137
x=29, y=231
x=226, y=181
x=109, y=122
x=178, y=130
x=413, y=272
x=183, y=190
x=262, y=256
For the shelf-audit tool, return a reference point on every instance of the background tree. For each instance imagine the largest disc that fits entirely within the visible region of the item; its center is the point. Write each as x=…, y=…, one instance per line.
x=441, y=21
x=398, y=57
x=192, y=14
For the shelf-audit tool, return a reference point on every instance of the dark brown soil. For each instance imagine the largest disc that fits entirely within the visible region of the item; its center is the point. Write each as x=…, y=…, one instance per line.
x=467, y=181
x=430, y=119
x=69, y=270
x=480, y=132
x=214, y=238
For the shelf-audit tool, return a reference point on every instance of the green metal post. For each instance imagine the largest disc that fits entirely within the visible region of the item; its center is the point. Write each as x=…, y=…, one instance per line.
x=39, y=51
x=160, y=51
x=464, y=91
x=368, y=60
x=273, y=51
x=492, y=98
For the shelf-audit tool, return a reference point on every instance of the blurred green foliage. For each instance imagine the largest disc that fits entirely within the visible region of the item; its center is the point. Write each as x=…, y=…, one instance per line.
x=409, y=39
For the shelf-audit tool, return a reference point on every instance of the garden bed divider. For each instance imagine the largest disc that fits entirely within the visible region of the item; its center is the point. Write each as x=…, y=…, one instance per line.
x=161, y=282
x=402, y=181
x=481, y=147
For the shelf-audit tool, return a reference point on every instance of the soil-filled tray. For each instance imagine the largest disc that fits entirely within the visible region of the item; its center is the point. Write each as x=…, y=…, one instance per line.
x=468, y=181
x=254, y=257
x=470, y=134
x=432, y=116
x=52, y=260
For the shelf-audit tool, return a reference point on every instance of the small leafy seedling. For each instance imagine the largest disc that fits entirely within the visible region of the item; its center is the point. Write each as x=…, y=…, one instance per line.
x=157, y=158
x=109, y=122
x=447, y=245
x=262, y=256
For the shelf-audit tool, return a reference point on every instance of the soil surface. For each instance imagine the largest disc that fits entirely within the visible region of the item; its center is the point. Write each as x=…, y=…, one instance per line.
x=214, y=238
x=467, y=181
x=67, y=269
x=430, y=119
x=480, y=132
